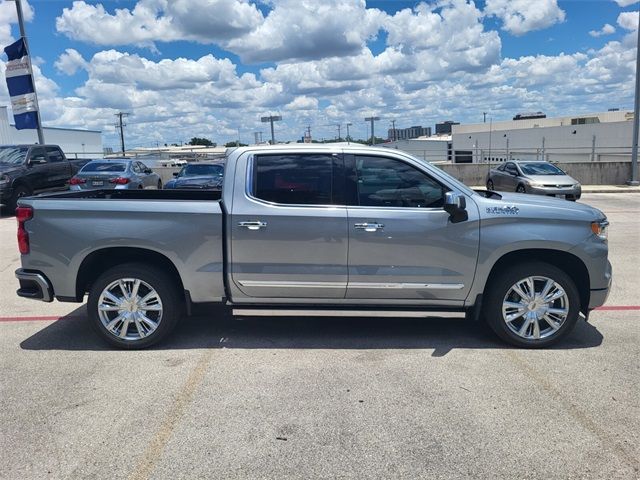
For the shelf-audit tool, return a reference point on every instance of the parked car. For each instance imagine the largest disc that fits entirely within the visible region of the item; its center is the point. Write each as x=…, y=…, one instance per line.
x=115, y=173
x=198, y=176
x=538, y=177
x=29, y=169
x=317, y=230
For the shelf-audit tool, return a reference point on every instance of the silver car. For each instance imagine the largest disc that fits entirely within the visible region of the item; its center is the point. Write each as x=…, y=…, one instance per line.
x=538, y=177
x=117, y=174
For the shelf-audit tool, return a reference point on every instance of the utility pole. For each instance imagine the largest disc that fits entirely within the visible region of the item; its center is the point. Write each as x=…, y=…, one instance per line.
x=373, y=136
x=393, y=129
x=636, y=112
x=271, y=119
x=309, y=132
x=120, y=125
x=484, y=116
x=339, y=130
x=23, y=34
x=348, y=137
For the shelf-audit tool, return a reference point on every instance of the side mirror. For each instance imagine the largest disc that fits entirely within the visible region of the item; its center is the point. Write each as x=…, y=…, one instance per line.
x=148, y=170
x=36, y=161
x=175, y=174
x=455, y=205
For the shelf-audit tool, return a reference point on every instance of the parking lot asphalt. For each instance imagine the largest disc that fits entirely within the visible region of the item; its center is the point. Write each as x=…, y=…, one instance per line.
x=323, y=397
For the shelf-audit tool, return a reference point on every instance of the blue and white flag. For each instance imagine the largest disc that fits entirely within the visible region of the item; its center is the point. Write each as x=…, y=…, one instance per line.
x=20, y=84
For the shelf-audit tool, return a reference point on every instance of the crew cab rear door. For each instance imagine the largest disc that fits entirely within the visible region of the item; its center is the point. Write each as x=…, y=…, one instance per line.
x=288, y=227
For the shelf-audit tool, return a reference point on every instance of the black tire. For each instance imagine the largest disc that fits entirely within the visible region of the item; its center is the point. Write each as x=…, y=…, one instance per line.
x=19, y=191
x=521, y=189
x=140, y=187
x=166, y=288
x=499, y=288
x=490, y=185
x=159, y=184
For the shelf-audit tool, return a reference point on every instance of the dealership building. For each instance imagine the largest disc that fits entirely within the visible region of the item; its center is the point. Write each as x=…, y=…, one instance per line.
x=75, y=143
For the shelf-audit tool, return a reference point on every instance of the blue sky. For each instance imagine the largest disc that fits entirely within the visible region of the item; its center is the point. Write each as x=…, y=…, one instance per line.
x=414, y=62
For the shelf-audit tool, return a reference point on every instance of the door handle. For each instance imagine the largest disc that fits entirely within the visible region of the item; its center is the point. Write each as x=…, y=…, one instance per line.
x=369, y=227
x=252, y=225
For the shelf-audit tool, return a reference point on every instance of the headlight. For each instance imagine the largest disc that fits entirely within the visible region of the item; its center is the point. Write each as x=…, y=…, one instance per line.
x=536, y=184
x=4, y=179
x=576, y=185
x=601, y=229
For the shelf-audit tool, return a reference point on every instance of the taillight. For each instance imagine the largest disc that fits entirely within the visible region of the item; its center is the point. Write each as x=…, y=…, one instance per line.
x=22, y=215
x=77, y=181
x=119, y=180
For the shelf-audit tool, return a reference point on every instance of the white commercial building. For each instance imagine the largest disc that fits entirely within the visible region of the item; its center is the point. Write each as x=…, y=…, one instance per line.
x=436, y=148
x=603, y=136
x=74, y=143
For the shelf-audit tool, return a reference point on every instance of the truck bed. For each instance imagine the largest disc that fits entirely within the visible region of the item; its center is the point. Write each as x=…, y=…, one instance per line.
x=182, y=229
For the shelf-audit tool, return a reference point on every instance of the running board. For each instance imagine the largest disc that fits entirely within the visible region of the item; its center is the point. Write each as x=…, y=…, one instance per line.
x=287, y=312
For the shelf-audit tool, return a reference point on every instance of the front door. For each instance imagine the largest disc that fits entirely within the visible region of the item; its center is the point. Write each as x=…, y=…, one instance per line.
x=59, y=168
x=288, y=235
x=402, y=243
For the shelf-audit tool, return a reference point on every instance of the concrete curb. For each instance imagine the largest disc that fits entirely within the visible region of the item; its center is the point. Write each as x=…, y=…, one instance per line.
x=597, y=189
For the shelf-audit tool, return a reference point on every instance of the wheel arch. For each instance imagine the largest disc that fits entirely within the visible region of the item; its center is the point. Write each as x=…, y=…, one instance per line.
x=98, y=261
x=567, y=262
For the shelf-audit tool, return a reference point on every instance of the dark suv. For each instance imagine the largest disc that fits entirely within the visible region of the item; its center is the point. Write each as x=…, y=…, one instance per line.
x=29, y=169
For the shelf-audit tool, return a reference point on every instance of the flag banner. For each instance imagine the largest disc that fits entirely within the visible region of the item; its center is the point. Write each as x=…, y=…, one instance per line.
x=20, y=85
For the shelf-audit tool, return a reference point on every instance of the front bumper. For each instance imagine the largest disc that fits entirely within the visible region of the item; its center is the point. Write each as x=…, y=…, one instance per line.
x=599, y=296
x=34, y=285
x=573, y=192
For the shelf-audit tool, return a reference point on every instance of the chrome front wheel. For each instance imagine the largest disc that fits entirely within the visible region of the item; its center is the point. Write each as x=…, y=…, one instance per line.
x=532, y=304
x=535, y=307
x=130, y=309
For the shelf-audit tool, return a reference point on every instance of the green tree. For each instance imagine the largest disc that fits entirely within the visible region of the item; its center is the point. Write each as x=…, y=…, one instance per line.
x=202, y=141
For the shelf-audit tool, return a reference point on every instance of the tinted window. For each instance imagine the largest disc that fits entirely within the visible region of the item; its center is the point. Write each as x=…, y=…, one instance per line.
x=143, y=167
x=38, y=155
x=195, y=170
x=135, y=166
x=386, y=182
x=104, y=167
x=511, y=168
x=293, y=179
x=54, y=153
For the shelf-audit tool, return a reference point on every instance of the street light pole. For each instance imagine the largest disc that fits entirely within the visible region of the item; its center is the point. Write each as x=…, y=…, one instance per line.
x=373, y=136
x=23, y=34
x=636, y=120
x=271, y=119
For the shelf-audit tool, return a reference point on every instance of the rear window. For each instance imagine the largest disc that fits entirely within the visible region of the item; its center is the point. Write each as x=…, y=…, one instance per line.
x=104, y=167
x=301, y=179
x=194, y=170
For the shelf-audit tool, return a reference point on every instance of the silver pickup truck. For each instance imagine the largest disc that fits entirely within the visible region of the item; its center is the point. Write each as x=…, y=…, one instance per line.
x=317, y=230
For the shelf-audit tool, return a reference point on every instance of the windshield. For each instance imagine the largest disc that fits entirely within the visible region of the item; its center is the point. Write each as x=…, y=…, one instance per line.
x=104, y=167
x=540, y=169
x=195, y=169
x=15, y=155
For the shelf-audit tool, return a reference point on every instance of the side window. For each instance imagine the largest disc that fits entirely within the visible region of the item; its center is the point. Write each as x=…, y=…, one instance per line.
x=386, y=182
x=38, y=155
x=135, y=166
x=511, y=168
x=54, y=154
x=302, y=179
x=501, y=167
x=142, y=167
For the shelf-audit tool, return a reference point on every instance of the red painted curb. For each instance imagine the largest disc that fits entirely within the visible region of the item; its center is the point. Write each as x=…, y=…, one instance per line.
x=35, y=319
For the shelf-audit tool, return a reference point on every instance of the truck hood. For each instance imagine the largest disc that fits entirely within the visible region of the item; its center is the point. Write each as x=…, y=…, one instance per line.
x=541, y=206
x=9, y=168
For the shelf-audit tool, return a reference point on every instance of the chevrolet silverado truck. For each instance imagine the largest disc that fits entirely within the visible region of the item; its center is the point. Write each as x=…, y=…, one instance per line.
x=317, y=230
x=29, y=169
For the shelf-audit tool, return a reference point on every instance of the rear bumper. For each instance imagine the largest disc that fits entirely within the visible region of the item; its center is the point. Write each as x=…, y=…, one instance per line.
x=34, y=285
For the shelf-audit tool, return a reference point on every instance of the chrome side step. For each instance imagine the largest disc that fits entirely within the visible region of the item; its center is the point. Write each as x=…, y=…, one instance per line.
x=287, y=312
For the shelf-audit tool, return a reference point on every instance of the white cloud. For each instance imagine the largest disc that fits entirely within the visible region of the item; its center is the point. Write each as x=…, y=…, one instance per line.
x=8, y=16
x=70, y=62
x=607, y=29
x=153, y=21
x=307, y=29
x=522, y=16
x=625, y=3
x=302, y=103
x=628, y=20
